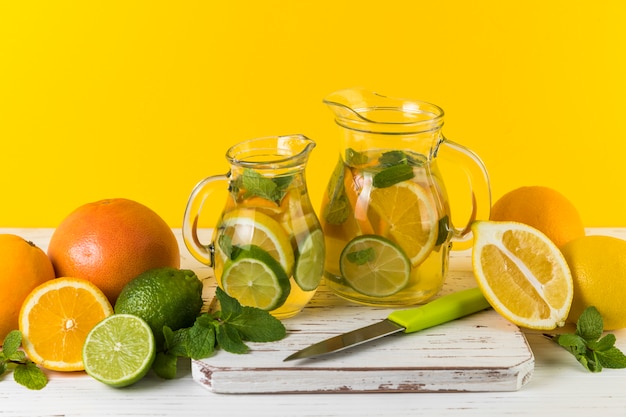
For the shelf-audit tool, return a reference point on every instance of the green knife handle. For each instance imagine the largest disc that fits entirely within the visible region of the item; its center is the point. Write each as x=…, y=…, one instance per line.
x=441, y=310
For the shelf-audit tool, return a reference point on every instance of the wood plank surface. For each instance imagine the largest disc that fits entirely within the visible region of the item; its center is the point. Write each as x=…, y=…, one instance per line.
x=481, y=352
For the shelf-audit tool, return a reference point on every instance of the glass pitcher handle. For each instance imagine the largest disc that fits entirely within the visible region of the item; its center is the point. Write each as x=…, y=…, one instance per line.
x=479, y=184
x=202, y=252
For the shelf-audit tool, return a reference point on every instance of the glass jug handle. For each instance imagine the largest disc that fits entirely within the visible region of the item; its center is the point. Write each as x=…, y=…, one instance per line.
x=479, y=185
x=200, y=251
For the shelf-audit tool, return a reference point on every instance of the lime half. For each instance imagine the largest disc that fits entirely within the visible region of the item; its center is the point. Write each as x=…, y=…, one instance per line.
x=375, y=266
x=119, y=350
x=310, y=261
x=256, y=279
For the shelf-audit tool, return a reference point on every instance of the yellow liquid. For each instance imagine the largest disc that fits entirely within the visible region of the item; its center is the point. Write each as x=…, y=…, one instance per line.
x=426, y=278
x=296, y=218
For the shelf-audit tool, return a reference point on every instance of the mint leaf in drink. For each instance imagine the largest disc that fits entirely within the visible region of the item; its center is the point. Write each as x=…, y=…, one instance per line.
x=338, y=208
x=392, y=175
x=361, y=257
x=593, y=351
x=25, y=371
x=354, y=158
x=391, y=158
x=255, y=184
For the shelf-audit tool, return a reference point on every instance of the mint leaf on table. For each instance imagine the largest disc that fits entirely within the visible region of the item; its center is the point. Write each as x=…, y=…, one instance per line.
x=257, y=325
x=588, y=346
x=25, y=372
x=227, y=329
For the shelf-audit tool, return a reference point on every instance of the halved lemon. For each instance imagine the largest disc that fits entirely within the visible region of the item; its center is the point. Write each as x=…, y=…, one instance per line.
x=522, y=274
x=246, y=226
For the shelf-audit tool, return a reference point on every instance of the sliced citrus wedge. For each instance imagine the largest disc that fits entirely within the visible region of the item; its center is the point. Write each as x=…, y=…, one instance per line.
x=56, y=318
x=522, y=274
x=252, y=227
x=374, y=266
x=408, y=213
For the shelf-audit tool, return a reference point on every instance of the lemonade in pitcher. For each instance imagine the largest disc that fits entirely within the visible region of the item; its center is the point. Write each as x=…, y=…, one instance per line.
x=386, y=213
x=267, y=248
x=386, y=220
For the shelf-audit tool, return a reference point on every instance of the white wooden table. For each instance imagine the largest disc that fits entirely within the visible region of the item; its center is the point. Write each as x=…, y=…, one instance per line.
x=559, y=386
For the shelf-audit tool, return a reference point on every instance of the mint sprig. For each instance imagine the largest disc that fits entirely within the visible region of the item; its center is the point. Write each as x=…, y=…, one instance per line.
x=228, y=329
x=587, y=344
x=25, y=372
x=255, y=184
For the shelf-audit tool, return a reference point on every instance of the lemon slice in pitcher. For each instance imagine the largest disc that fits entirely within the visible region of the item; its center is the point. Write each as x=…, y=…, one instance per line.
x=246, y=226
x=409, y=218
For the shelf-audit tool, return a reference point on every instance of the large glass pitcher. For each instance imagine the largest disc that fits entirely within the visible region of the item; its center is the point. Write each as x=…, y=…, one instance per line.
x=267, y=249
x=386, y=213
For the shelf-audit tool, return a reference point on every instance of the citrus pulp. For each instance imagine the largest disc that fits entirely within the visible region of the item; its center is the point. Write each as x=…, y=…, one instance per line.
x=522, y=274
x=56, y=318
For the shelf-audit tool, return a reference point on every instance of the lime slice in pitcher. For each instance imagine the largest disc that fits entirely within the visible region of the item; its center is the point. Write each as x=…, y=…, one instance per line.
x=251, y=227
x=310, y=262
x=256, y=279
x=375, y=266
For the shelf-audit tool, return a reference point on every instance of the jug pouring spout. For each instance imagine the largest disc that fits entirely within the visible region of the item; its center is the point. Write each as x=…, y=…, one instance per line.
x=363, y=110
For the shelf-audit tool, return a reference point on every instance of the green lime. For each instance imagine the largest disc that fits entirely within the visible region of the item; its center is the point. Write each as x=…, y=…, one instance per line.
x=310, y=261
x=374, y=266
x=119, y=350
x=256, y=279
x=162, y=297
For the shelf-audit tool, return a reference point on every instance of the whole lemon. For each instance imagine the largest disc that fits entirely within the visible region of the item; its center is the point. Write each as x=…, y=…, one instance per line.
x=598, y=266
x=543, y=208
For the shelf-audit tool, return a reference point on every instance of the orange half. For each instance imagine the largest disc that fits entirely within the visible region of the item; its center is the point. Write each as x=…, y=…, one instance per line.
x=55, y=319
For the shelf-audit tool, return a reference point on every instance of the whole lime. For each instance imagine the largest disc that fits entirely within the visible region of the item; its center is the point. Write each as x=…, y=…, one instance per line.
x=598, y=265
x=162, y=297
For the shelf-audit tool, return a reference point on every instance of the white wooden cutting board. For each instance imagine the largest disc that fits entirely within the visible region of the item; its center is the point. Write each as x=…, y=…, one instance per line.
x=481, y=352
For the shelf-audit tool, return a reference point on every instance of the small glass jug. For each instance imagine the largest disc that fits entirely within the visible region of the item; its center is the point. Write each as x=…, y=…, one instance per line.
x=267, y=250
x=386, y=213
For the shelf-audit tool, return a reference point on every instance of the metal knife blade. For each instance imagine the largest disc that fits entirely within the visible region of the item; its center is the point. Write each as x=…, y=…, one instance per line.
x=441, y=310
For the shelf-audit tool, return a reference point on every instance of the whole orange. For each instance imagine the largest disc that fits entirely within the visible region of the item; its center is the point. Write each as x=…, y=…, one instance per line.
x=24, y=266
x=110, y=242
x=543, y=208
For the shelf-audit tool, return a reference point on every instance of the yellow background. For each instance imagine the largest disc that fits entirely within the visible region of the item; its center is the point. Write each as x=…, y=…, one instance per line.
x=141, y=99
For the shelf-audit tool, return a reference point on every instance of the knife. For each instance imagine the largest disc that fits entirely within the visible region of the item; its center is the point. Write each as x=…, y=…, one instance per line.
x=441, y=310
